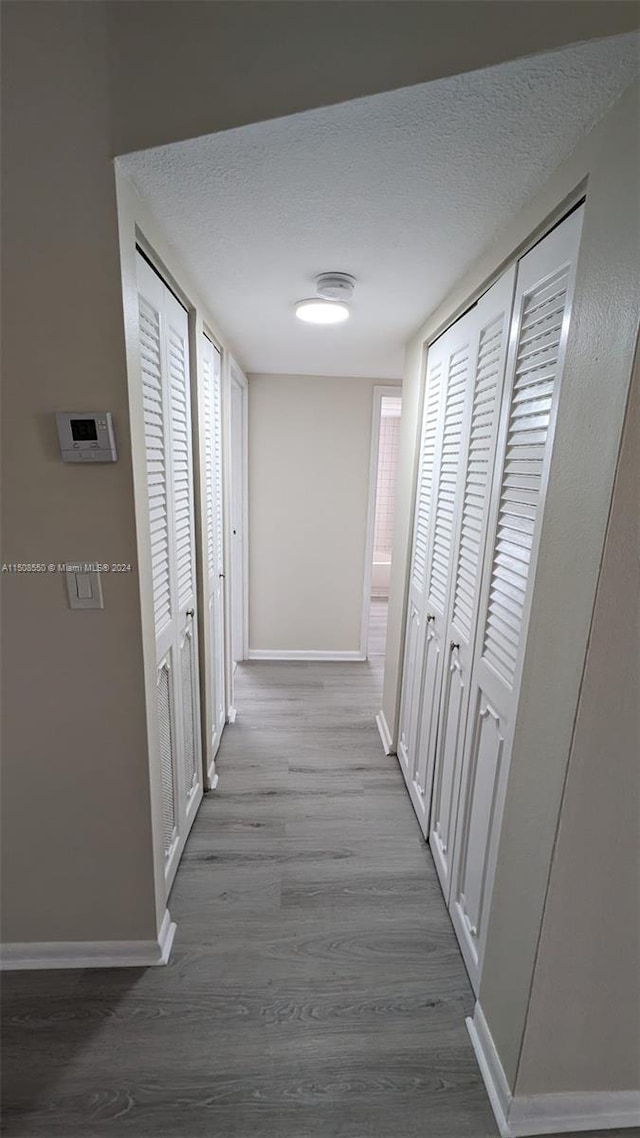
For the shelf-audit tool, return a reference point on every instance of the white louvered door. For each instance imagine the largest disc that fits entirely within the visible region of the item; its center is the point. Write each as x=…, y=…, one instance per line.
x=164, y=351
x=544, y=288
x=456, y=347
x=491, y=319
x=414, y=636
x=213, y=600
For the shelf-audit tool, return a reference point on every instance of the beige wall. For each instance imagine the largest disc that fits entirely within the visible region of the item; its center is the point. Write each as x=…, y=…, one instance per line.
x=591, y=409
x=587, y=980
x=76, y=830
x=309, y=447
x=250, y=61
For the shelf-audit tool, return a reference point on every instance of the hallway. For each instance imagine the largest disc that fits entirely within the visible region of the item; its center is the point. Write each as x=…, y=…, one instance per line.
x=315, y=989
x=315, y=986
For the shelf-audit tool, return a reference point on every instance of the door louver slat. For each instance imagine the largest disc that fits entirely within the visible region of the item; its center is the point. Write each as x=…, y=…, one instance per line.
x=207, y=375
x=529, y=420
x=483, y=420
x=425, y=482
x=458, y=378
x=180, y=443
x=154, y=430
x=217, y=465
x=166, y=407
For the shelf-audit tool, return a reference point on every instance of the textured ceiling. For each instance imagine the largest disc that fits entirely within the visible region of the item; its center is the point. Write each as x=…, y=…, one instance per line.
x=402, y=190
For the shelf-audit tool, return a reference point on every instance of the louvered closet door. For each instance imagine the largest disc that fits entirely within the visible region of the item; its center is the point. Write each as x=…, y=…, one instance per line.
x=164, y=349
x=458, y=347
x=491, y=319
x=414, y=635
x=214, y=573
x=542, y=306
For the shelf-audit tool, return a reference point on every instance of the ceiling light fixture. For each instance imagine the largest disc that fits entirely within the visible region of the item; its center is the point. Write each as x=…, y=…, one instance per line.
x=321, y=311
x=329, y=306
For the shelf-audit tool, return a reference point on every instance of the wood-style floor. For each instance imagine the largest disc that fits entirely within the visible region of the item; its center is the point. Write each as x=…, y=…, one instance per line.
x=315, y=988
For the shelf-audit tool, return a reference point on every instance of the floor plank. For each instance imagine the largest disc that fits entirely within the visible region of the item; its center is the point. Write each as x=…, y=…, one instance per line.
x=315, y=988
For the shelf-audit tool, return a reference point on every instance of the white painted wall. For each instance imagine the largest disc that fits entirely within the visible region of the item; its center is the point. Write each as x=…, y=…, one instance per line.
x=591, y=410
x=583, y=1026
x=309, y=446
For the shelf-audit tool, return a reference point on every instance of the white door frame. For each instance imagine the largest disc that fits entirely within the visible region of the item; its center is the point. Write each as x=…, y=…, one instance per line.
x=208, y=726
x=186, y=803
x=238, y=379
x=379, y=393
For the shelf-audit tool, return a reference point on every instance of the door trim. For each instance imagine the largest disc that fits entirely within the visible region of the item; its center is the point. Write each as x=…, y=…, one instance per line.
x=237, y=376
x=379, y=392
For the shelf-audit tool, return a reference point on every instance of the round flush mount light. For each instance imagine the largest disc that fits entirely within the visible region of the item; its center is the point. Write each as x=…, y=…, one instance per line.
x=319, y=311
x=329, y=306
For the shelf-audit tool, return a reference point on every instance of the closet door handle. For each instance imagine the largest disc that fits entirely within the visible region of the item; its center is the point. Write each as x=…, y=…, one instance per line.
x=430, y=617
x=191, y=613
x=453, y=645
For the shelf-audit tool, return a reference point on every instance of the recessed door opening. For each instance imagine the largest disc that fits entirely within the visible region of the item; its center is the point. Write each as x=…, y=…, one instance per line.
x=385, y=441
x=237, y=515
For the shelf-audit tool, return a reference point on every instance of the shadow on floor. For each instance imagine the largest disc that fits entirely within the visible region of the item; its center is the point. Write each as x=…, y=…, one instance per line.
x=50, y=1019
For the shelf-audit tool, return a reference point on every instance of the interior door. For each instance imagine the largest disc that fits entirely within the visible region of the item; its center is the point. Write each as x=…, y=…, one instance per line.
x=457, y=347
x=492, y=319
x=213, y=601
x=164, y=354
x=415, y=629
x=542, y=307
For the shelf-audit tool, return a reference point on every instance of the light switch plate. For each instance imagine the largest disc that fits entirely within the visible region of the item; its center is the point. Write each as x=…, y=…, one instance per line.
x=84, y=589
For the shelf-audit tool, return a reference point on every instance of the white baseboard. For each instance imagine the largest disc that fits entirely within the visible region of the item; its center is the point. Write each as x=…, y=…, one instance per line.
x=384, y=732
x=522, y=1115
x=308, y=654
x=90, y=954
x=567, y=1113
x=491, y=1069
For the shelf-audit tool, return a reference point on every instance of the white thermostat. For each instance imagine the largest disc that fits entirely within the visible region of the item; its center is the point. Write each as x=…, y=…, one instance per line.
x=86, y=436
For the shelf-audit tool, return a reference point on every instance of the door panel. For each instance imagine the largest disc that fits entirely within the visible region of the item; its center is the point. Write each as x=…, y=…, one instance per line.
x=456, y=348
x=485, y=773
x=444, y=796
x=164, y=356
x=414, y=653
x=167, y=748
x=189, y=717
x=488, y=358
x=540, y=323
x=413, y=668
x=427, y=724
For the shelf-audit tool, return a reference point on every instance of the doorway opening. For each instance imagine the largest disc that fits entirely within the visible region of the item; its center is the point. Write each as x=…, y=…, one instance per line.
x=238, y=514
x=385, y=439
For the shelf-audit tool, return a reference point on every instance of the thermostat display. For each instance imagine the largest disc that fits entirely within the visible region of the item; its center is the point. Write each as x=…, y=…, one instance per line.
x=85, y=437
x=84, y=430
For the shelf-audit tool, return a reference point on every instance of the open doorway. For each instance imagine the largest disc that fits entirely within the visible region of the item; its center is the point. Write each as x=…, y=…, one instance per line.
x=385, y=437
x=238, y=514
